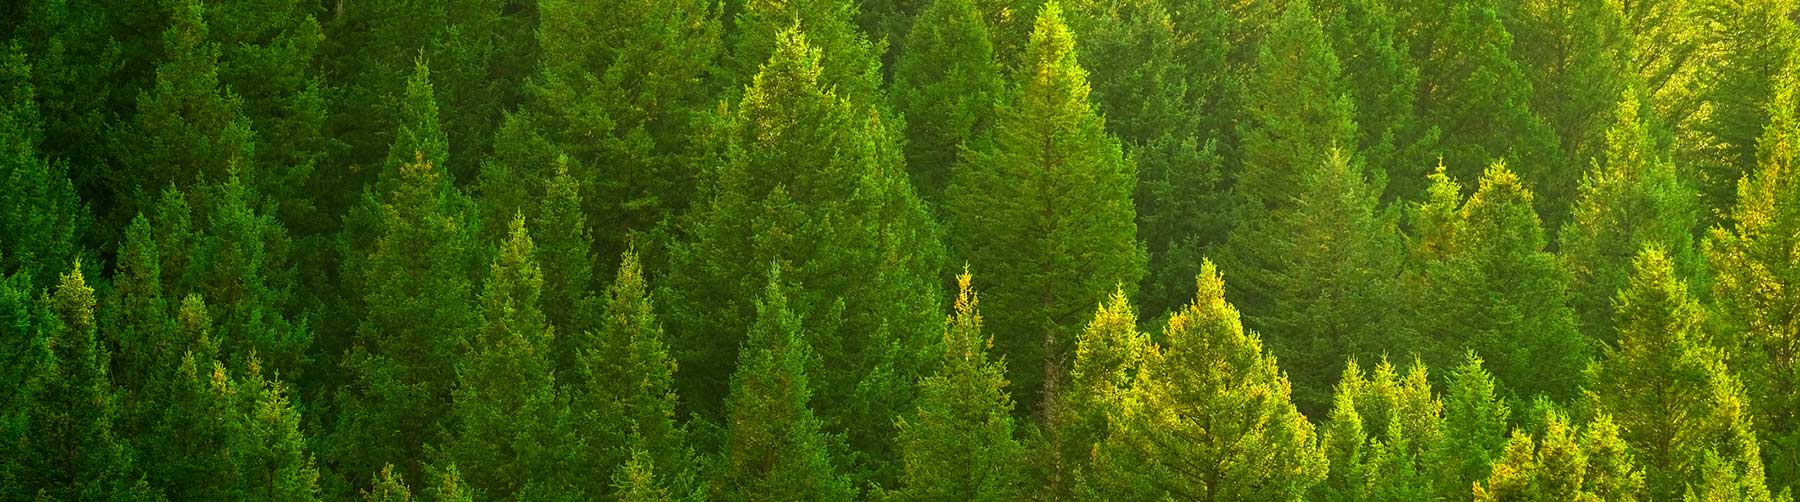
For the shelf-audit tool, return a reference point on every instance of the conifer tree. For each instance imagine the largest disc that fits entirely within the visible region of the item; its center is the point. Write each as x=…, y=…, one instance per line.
x=775, y=448
x=1749, y=46
x=1319, y=272
x=1669, y=389
x=389, y=486
x=1108, y=355
x=636, y=480
x=1565, y=462
x=1576, y=57
x=624, y=388
x=565, y=252
x=947, y=84
x=416, y=298
x=1047, y=212
x=1295, y=113
x=63, y=445
x=1474, y=434
x=851, y=62
x=190, y=436
x=1631, y=198
x=1755, y=273
x=1492, y=288
x=40, y=214
x=266, y=446
x=139, y=324
x=813, y=182
x=1381, y=76
x=268, y=57
x=1383, y=430
x=1208, y=417
x=513, y=425
x=959, y=443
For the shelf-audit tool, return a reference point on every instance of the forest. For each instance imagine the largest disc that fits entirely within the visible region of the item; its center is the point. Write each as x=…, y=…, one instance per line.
x=900, y=250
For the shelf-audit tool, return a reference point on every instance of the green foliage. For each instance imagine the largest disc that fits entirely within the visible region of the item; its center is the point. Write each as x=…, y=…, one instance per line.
x=1474, y=433
x=40, y=214
x=1631, y=198
x=1486, y=284
x=948, y=86
x=1047, y=212
x=1383, y=431
x=1296, y=112
x=1565, y=462
x=852, y=62
x=1668, y=387
x=775, y=449
x=1384, y=80
x=1208, y=416
x=959, y=443
x=1748, y=46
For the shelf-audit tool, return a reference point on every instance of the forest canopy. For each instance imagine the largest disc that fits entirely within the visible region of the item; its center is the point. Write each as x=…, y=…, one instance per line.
x=900, y=250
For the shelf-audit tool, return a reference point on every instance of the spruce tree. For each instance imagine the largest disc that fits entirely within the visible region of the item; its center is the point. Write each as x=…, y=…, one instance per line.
x=268, y=451
x=268, y=57
x=959, y=443
x=1475, y=425
x=40, y=214
x=1748, y=46
x=1208, y=416
x=1108, y=355
x=1382, y=431
x=1631, y=198
x=1755, y=272
x=624, y=388
x=1295, y=112
x=1565, y=462
x=813, y=182
x=1576, y=57
x=947, y=84
x=1667, y=385
x=565, y=252
x=1492, y=288
x=852, y=62
x=389, y=486
x=775, y=448
x=1381, y=76
x=1047, y=212
x=512, y=424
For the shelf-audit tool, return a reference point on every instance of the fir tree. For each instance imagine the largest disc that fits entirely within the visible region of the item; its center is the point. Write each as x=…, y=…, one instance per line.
x=388, y=487
x=266, y=446
x=626, y=393
x=1748, y=46
x=1047, y=212
x=1565, y=462
x=1296, y=112
x=1383, y=429
x=775, y=449
x=959, y=443
x=268, y=58
x=1383, y=79
x=1208, y=417
x=513, y=425
x=1631, y=198
x=40, y=214
x=1474, y=434
x=1667, y=386
x=1576, y=57
x=851, y=62
x=948, y=86
x=1108, y=355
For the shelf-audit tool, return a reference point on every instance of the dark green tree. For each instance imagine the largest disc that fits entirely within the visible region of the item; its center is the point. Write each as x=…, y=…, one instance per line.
x=947, y=84
x=1668, y=387
x=268, y=57
x=1047, y=212
x=1474, y=433
x=267, y=449
x=1208, y=416
x=959, y=443
x=851, y=62
x=775, y=448
x=40, y=214
x=1295, y=113
x=1381, y=76
x=1747, y=47
x=1577, y=58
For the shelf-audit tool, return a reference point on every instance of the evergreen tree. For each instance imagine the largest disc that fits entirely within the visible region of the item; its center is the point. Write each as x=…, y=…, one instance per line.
x=61, y=444
x=388, y=487
x=1576, y=57
x=775, y=449
x=1383, y=79
x=1109, y=353
x=1631, y=198
x=1492, y=288
x=416, y=303
x=1047, y=212
x=1295, y=113
x=1208, y=416
x=267, y=56
x=948, y=86
x=1748, y=46
x=814, y=183
x=565, y=252
x=513, y=425
x=624, y=389
x=140, y=326
x=619, y=92
x=959, y=444
x=40, y=214
x=851, y=62
x=1474, y=433
x=1319, y=272
x=1755, y=273
x=1667, y=386
x=636, y=480
x=1565, y=462
x=1383, y=430
x=266, y=447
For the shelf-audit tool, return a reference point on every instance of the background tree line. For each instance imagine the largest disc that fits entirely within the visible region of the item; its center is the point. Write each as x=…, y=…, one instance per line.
x=900, y=250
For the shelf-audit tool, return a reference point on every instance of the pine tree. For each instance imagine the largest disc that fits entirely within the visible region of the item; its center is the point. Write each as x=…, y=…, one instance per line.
x=624, y=388
x=852, y=62
x=619, y=93
x=188, y=128
x=1108, y=355
x=1208, y=416
x=40, y=214
x=947, y=84
x=814, y=183
x=1383, y=429
x=513, y=425
x=1320, y=273
x=1748, y=45
x=140, y=326
x=1295, y=114
x=389, y=486
x=1631, y=198
x=565, y=252
x=416, y=298
x=267, y=449
x=1755, y=272
x=1565, y=462
x=1576, y=57
x=1492, y=288
x=1383, y=79
x=774, y=448
x=63, y=445
x=636, y=480
x=1669, y=389
x=1047, y=213
x=959, y=443
x=268, y=58
x=1474, y=433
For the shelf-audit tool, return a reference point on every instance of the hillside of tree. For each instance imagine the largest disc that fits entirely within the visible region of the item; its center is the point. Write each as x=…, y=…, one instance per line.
x=900, y=250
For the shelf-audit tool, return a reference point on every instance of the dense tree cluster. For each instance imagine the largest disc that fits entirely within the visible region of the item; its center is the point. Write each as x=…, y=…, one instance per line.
x=919, y=250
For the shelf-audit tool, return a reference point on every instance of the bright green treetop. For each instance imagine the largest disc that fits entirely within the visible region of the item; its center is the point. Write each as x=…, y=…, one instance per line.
x=959, y=444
